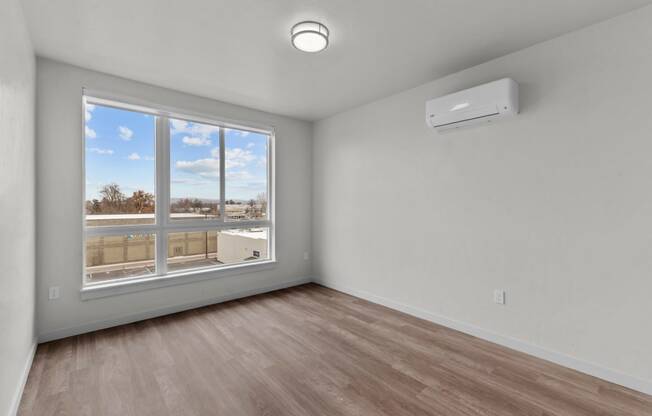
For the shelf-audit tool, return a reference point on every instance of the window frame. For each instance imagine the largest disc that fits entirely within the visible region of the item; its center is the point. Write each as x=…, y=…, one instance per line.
x=164, y=224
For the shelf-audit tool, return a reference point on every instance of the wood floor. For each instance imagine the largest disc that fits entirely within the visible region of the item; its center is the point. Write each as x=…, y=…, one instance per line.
x=305, y=351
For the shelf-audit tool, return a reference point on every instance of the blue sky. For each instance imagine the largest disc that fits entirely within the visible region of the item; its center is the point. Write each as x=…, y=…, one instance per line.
x=120, y=148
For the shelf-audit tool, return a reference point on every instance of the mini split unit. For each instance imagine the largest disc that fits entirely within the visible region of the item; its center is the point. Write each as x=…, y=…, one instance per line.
x=476, y=105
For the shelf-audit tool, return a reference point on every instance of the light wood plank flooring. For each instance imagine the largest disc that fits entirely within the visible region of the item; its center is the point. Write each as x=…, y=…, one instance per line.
x=305, y=351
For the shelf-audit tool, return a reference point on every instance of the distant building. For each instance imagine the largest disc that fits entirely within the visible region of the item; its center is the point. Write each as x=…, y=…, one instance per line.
x=111, y=256
x=235, y=246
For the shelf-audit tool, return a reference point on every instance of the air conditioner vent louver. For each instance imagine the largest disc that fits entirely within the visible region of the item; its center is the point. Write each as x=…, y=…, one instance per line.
x=452, y=124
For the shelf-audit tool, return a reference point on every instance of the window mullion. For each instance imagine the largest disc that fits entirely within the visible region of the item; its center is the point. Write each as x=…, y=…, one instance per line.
x=163, y=192
x=222, y=175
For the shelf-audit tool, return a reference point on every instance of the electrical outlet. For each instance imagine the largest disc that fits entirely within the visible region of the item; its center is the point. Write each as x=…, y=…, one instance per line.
x=53, y=293
x=306, y=256
x=499, y=296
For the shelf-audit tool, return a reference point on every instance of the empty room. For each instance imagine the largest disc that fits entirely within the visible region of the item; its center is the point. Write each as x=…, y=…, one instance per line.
x=326, y=207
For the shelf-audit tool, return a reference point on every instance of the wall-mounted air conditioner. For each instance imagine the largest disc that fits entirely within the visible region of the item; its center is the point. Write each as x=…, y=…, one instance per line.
x=476, y=105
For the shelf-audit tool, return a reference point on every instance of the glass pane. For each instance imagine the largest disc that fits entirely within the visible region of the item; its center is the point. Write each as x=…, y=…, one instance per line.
x=194, y=170
x=197, y=249
x=120, y=256
x=120, y=169
x=190, y=250
x=246, y=175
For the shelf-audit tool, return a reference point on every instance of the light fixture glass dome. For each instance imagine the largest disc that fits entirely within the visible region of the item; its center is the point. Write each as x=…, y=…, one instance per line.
x=310, y=36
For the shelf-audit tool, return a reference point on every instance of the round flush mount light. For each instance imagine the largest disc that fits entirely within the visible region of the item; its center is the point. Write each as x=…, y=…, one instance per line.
x=309, y=36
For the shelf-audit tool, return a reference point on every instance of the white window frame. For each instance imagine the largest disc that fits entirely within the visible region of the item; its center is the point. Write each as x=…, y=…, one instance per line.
x=163, y=222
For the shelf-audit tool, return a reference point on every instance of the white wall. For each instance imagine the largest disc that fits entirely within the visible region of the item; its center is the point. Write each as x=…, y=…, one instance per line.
x=16, y=203
x=59, y=211
x=555, y=206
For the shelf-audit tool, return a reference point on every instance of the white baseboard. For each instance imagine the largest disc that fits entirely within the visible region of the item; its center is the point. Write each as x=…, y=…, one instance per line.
x=595, y=370
x=18, y=395
x=153, y=313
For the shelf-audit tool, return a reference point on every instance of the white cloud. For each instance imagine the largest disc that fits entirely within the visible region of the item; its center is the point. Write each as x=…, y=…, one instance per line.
x=241, y=133
x=241, y=175
x=192, y=182
x=90, y=133
x=192, y=129
x=210, y=167
x=100, y=151
x=250, y=145
x=88, y=113
x=196, y=141
x=149, y=158
x=134, y=156
x=206, y=168
x=238, y=158
x=125, y=133
x=178, y=125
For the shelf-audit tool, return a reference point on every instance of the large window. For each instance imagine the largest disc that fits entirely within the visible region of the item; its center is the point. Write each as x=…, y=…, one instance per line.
x=168, y=194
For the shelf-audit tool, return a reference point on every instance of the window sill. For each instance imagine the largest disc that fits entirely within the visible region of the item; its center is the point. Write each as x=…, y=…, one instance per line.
x=101, y=290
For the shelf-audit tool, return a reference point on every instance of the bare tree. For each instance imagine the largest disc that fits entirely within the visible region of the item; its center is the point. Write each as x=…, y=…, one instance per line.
x=261, y=200
x=141, y=201
x=112, y=197
x=93, y=207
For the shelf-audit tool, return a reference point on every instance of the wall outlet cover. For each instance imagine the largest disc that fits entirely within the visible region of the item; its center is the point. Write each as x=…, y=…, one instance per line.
x=499, y=296
x=53, y=293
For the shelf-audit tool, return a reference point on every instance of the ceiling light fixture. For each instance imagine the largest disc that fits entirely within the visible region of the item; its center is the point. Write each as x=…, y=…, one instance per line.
x=309, y=36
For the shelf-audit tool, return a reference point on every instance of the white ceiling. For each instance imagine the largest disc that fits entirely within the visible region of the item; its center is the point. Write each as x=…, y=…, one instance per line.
x=239, y=51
